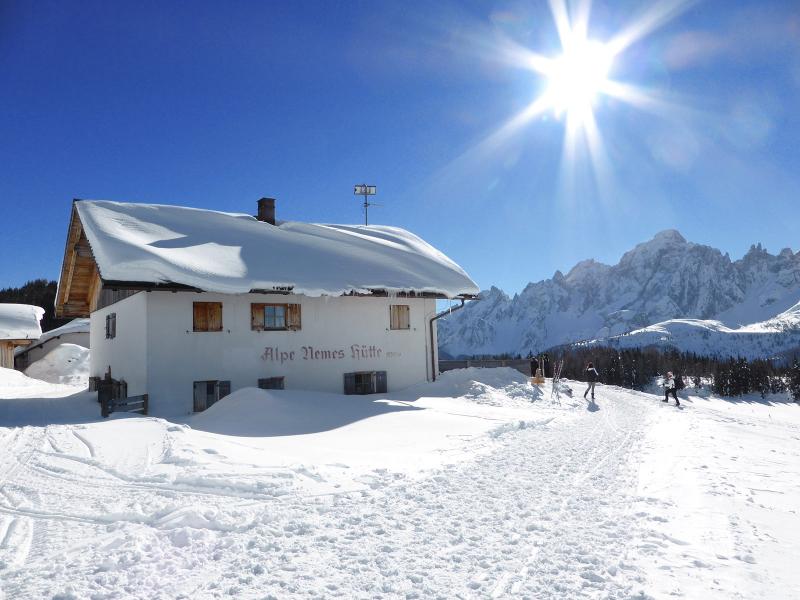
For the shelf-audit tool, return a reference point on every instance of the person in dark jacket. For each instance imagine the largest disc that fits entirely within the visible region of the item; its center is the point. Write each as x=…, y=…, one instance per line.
x=591, y=378
x=670, y=388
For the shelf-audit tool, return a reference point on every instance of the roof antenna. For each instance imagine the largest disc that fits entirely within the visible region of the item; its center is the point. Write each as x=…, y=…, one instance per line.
x=365, y=190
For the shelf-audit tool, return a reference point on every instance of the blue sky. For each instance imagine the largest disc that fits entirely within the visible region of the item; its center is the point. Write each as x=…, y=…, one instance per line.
x=217, y=104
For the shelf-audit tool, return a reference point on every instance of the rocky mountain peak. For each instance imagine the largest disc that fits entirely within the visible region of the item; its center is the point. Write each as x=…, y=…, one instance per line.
x=669, y=235
x=664, y=278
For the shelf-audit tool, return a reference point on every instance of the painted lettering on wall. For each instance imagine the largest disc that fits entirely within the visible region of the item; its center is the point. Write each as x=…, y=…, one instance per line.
x=362, y=351
x=312, y=353
x=276, y=355
x=355, y=352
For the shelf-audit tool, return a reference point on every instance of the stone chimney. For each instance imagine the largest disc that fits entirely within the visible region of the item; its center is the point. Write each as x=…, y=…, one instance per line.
x=266, y=210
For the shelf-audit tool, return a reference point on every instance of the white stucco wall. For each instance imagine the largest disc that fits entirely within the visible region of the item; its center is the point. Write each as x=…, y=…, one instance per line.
x=127, y=352
x=177, y=356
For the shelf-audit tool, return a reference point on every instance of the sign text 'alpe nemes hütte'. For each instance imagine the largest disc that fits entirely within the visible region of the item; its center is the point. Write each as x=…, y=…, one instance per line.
x=356, y=352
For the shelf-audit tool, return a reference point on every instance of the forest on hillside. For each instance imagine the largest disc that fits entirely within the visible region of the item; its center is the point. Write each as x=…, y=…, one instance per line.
x=637, y=368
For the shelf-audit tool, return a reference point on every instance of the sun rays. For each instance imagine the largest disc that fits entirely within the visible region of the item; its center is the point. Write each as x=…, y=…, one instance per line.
x=577, y=77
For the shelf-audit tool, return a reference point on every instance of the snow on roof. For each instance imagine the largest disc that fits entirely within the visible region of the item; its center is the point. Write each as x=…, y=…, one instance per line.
x=74, y=326
x=236, y=253
x=20, y=322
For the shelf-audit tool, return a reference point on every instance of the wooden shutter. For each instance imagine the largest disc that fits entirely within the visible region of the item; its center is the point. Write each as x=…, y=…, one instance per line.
x=399, y=316
x=223, y=389
x=293, y=317
x=380, y=382
x=199, y=396
x=257, y=317
x=200, y=322
x=405, y=321
x=349, y=383
x=214, y=316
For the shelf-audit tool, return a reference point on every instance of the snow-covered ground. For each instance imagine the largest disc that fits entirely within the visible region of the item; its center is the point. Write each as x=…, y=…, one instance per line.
x=477, y=486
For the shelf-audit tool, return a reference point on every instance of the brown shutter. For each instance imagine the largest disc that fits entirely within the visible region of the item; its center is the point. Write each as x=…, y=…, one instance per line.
x=293, y=317
x=215, y=316
x=200, y=317
x=399, y=316
x=257, y=317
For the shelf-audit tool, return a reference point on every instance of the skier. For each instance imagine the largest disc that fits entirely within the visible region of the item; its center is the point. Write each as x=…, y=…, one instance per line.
x=591, y=378
x=669, y=388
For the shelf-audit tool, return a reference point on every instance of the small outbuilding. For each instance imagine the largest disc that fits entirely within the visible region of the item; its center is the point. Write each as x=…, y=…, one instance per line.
x=19, y=326
x=75, y=332
x=187, y=305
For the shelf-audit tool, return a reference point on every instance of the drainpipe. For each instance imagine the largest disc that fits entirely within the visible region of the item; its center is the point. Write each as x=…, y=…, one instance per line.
x=433, y=347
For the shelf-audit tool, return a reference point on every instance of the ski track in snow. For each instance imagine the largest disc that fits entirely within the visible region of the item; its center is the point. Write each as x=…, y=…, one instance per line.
x=555, y=508
x=503, y=524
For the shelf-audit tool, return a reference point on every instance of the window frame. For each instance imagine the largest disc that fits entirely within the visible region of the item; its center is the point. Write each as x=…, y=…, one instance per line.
x=111, y=325
x=377, y=384
x=292, y=316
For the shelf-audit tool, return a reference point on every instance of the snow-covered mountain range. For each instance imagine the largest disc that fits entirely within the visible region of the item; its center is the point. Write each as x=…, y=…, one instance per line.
x=666, y=291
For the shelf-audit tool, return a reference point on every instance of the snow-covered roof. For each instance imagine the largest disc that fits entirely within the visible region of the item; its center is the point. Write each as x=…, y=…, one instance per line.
x=236, y=253
x=74, y=326
x=20, y=322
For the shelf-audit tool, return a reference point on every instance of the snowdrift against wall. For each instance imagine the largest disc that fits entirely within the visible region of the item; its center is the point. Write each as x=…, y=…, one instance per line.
x=236, y=253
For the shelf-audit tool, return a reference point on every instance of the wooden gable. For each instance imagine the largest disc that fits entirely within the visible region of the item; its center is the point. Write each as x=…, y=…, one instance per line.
x=80, y=284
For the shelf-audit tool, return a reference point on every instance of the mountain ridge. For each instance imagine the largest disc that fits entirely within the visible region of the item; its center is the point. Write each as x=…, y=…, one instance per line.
x=663, y=279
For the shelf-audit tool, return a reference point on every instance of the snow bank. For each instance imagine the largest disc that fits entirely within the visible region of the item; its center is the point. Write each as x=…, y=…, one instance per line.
x=500, y=386
x=20, y=322
x=225, y=252
x=255, y=412
x=66, y=363
x=9, y=378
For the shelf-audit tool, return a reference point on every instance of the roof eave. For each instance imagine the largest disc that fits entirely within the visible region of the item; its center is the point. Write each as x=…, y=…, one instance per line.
x=169, y=286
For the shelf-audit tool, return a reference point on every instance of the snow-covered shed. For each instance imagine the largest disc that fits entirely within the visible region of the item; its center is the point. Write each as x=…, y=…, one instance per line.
x=189, y=304
x=19, y=326
x=75, y=332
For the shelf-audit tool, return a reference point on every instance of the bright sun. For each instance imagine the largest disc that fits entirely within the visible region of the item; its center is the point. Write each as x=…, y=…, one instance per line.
x=572, y=82
x=577, y=76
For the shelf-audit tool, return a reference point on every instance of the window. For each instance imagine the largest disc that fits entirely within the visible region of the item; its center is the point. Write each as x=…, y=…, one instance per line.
x=207, y=316
x=275, y=317
x=271, y=383
x=399, y=316
x=206, y=393
x=111, y=326
x=365, y=382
